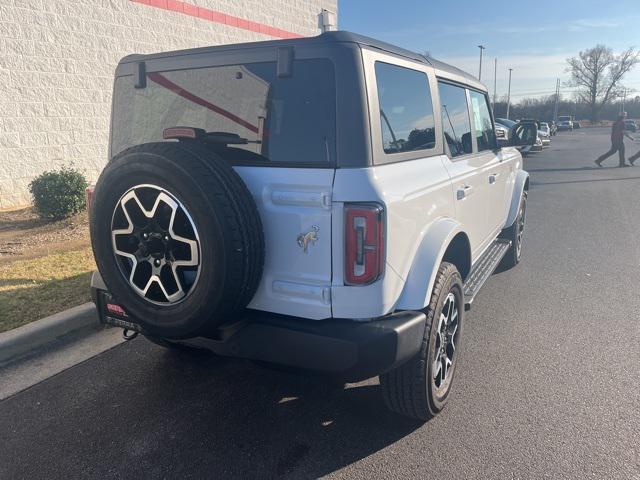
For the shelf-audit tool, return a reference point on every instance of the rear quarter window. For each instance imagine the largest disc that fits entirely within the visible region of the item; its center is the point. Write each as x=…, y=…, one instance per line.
x=285, y=120
x=406, y=109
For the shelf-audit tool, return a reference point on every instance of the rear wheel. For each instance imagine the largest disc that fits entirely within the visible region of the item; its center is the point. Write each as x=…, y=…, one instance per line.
x=420, y=388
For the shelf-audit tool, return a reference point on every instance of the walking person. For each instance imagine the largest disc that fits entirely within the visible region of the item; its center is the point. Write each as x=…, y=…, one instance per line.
x=617, y=141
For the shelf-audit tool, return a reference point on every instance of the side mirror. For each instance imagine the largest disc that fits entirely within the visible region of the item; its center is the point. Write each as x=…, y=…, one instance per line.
x=523, y=135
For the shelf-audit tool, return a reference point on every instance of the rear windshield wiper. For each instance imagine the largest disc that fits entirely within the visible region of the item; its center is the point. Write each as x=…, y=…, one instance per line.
x=192, y=133
x=228, y=138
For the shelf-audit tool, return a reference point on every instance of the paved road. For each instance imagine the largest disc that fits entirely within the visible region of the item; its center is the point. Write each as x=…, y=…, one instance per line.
x=548, y=385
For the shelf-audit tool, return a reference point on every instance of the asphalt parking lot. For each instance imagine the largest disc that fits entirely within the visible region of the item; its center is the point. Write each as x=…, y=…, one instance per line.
x=548, y=385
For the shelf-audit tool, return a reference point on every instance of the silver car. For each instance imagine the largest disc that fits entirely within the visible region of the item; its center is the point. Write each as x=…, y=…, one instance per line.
x=544, y=132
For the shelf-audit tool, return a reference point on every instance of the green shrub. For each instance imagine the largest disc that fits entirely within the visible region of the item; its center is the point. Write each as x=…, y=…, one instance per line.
x=59, y=194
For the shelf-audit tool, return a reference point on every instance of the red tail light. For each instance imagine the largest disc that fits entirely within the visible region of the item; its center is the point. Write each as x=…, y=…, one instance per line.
x=364, y=235
x=88, y=195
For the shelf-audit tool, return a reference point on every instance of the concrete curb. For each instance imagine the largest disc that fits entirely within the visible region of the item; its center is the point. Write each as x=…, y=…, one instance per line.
x=22, y=340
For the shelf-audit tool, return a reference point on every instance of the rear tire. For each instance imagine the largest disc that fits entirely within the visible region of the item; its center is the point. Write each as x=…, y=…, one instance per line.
x=420, y=388
x=515, y=233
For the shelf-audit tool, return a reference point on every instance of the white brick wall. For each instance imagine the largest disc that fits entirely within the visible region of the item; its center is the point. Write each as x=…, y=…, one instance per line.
x=57, y=59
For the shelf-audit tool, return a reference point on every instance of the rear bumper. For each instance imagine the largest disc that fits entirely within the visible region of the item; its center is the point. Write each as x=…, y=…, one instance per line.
x=348, y=349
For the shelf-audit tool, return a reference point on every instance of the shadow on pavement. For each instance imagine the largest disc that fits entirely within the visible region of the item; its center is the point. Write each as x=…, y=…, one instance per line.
x=576, y=169
x=140, y=411
x=585, y=181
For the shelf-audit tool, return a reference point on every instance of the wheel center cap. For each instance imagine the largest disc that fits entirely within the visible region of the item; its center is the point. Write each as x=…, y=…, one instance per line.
x=155, y=245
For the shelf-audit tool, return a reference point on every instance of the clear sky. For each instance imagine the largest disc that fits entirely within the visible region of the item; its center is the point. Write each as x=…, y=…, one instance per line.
x=532, y=37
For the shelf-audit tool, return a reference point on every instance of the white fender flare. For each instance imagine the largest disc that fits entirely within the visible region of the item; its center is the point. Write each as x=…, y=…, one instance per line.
x=521, y=180
x=416, y=293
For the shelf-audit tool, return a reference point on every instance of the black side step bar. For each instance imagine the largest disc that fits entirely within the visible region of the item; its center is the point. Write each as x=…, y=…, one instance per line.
x=483, y=269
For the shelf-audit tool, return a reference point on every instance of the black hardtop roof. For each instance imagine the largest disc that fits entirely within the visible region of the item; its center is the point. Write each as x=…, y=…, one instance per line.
x=324, y=38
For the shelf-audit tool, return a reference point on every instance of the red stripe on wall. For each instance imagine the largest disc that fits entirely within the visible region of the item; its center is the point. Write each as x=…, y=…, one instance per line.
x=217, y=17
x=178, y=90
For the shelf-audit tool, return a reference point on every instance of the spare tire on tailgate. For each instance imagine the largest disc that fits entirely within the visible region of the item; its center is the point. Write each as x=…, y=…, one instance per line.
x=177, y=238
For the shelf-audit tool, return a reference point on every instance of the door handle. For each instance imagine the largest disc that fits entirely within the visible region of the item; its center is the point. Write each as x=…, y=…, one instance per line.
x=493, y=177
x=464, y=191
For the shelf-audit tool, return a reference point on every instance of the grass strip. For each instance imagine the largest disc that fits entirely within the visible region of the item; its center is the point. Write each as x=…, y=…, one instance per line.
x=35, y=288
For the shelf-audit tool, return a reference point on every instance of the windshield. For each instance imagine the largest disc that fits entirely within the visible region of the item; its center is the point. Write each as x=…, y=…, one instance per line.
x=287, y=120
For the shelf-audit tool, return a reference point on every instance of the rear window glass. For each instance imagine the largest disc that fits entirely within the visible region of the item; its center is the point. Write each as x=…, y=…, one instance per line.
x=288, y=120
x=406, y=111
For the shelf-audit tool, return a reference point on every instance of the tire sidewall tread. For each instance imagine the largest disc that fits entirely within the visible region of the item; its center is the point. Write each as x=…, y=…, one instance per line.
x=228, y=219
x=408, y=389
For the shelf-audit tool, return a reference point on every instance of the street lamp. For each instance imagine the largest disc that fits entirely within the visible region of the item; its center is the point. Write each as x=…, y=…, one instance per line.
x=495, y=84
x=509, y=93
x=481, y=47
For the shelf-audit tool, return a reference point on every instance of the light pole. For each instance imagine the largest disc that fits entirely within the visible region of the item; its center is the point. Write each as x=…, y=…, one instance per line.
x=509, y=93
x=495, y=82
x=555, y=106
x=481, y=47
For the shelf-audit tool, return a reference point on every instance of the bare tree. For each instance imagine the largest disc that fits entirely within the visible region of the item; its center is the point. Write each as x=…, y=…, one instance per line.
x=597, y=72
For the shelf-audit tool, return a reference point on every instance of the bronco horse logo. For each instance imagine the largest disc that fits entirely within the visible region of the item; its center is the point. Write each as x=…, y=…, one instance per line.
x=304, y=239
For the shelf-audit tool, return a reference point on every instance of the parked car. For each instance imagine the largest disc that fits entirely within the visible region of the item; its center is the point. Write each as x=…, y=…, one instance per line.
x=544, y=126
x=506, y=122
x=545, y=133
x=630, y=125
x=545, y=139
x=565, y=125
x=538, y=145
x=331, y=203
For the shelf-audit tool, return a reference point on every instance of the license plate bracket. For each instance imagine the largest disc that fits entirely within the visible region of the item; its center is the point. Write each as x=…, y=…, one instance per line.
x=111, y=313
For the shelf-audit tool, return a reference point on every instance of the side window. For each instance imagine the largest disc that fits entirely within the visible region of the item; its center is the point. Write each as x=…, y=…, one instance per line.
x=455, y=119
x=406, y=111
x=485, y=135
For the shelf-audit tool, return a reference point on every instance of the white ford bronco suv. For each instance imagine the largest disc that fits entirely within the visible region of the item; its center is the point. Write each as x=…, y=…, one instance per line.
x=331, y=204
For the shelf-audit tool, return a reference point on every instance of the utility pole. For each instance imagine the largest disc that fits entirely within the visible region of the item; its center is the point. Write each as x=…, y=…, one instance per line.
x=509, y=93
x=624, y=98
x=495, y=81
x=481, y=47
x=555, y=107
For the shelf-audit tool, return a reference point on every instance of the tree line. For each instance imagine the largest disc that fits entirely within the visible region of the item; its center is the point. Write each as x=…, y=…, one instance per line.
x=543, y=109
x=596, y=76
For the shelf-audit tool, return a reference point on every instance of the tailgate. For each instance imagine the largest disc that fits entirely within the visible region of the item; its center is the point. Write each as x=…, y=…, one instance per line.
x=295, y=208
